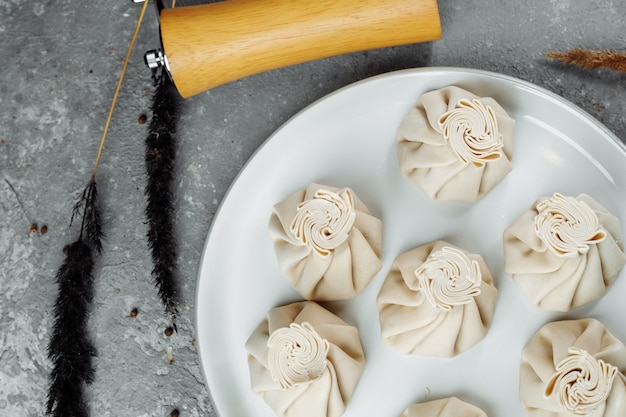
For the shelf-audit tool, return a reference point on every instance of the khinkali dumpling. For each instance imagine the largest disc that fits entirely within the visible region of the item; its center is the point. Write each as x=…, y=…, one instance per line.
x=446, y=407
x=455, y=145
x=437, y=300
x=564, y=252
x=305, y=361
x=573, y=368
x=327, y=242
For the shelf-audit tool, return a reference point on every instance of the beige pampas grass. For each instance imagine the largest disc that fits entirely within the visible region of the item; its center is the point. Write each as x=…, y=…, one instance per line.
x=591, y=59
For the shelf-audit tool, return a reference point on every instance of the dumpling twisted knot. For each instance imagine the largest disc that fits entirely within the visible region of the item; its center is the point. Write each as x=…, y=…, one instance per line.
x=324, y=221
x=297, y=355
x=448, y=278
x=581, y=382
x=471, y=129
x=566, y=226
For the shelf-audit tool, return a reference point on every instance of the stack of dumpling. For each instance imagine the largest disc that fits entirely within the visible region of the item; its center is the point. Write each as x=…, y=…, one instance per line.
x=305, y=361
x=454, y=145
x=564, y=252
x=438, y=300
x=573, y=368
x=327, y=242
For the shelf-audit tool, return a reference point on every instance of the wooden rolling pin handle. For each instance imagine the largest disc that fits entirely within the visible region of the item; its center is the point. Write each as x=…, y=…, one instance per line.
x=212, y=44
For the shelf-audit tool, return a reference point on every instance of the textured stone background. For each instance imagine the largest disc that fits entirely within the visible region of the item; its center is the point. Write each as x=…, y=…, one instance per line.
x=60, y=65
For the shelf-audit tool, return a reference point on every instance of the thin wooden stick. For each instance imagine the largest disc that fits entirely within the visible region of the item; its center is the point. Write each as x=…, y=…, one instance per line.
x=117, y=89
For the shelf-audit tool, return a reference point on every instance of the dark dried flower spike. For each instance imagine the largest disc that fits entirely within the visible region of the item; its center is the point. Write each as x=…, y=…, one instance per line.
x=159, y=160
x=70, y=349
x=591, y=59
x=90, y=227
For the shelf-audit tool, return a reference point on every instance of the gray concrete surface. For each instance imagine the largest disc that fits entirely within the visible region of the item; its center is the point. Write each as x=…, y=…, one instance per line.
x=60, y=65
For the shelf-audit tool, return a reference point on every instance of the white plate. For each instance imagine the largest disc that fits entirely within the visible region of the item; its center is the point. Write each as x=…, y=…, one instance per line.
x=348, y=139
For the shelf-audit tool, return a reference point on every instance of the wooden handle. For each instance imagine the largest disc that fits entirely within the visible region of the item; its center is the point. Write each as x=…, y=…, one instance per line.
x=212, y=44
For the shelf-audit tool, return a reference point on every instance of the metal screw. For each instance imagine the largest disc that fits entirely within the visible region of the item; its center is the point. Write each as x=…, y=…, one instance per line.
x=155, y=58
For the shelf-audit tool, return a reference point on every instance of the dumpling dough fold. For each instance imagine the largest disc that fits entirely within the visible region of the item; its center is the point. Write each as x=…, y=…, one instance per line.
x=550, y=346
x=446, y=407
x=562, y=283
x=410, y=324
x=344, y=271
x=326, y=396
x=429, y=161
